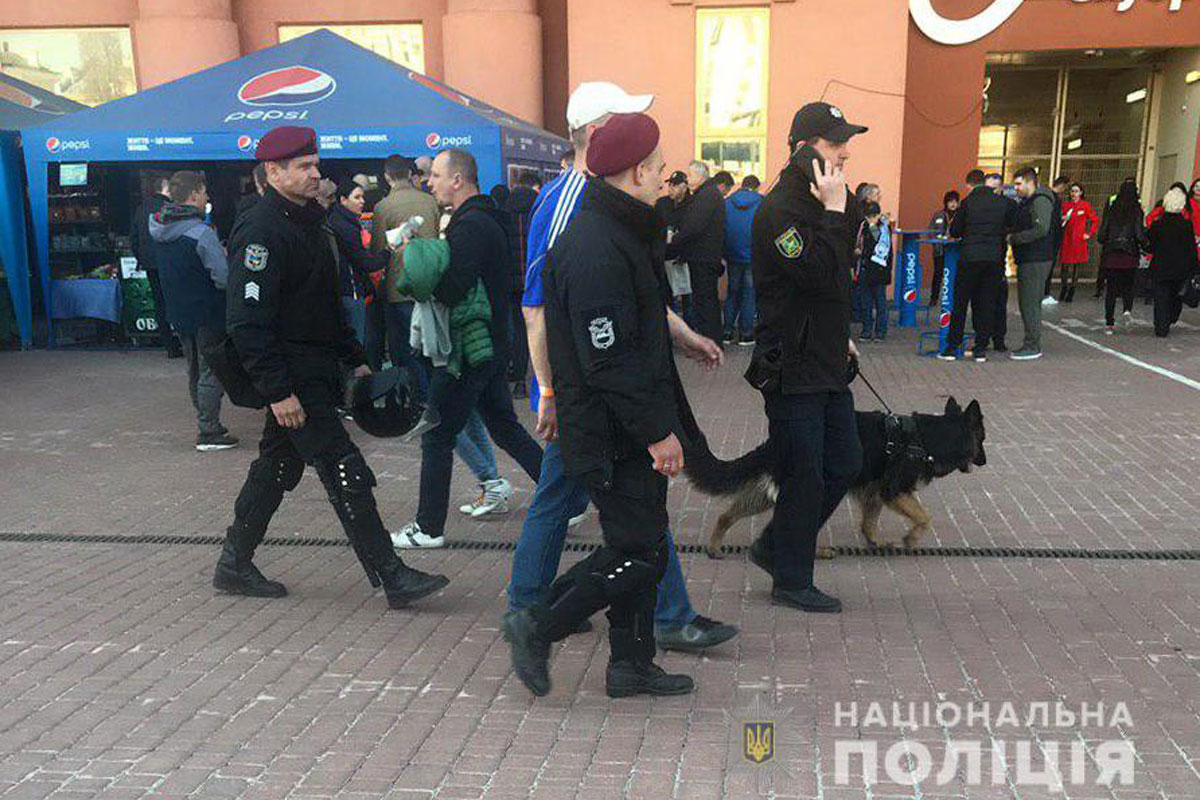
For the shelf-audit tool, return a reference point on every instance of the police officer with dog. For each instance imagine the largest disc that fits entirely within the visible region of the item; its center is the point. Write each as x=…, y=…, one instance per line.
x=801, y=254
x=288, y=343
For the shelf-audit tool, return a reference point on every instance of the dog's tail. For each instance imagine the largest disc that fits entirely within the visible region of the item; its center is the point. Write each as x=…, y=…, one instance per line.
x=716, y=477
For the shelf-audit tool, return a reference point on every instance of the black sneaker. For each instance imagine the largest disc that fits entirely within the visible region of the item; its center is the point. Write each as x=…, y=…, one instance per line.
x=216, y=441
x=699, y=634
x=979, y=356
x=1000, y=347
x=947, y=355
x=746, y=341
x=728, y=338
x=809, y=599
x=626, y=679
x=530, y=655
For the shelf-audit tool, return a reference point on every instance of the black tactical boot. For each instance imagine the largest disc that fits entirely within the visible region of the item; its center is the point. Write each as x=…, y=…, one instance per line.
x=530, y=653
x=403, y=585
x=809, y=599
x=626, y=679
x=236, y=573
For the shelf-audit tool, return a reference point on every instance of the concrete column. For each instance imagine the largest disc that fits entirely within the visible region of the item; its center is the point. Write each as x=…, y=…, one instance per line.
x=493, y=50
x=173, y=38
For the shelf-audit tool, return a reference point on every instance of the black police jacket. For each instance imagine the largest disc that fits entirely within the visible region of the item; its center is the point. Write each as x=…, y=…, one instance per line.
x=606, y=328
x=282, y=299
x=983, y=222
x=802, y=257
x=701, y=220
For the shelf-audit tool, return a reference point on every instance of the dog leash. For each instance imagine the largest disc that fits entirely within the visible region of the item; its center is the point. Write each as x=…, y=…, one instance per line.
x=882, y=402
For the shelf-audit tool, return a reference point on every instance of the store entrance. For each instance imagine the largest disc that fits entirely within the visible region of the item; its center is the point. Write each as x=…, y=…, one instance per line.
x=1083, y=115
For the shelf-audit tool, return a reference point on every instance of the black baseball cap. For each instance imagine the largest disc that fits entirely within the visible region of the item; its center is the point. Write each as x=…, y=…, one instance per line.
x=823, y=120
x=677, y=177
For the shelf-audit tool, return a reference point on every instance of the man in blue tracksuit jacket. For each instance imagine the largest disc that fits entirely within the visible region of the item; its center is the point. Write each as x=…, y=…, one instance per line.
x=558, y=497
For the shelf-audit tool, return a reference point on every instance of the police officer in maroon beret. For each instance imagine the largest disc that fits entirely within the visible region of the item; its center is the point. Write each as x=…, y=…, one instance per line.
x=286, y=322
x=619, y=410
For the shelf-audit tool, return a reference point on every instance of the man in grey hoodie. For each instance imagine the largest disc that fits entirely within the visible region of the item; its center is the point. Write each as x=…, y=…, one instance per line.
x=193, y=271
x=1033, y=250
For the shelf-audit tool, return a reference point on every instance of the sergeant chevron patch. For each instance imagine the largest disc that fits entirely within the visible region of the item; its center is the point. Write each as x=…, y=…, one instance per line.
x=251, y=291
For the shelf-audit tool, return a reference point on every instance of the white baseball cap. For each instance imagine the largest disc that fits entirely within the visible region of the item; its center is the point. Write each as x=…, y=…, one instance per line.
x=592, y=100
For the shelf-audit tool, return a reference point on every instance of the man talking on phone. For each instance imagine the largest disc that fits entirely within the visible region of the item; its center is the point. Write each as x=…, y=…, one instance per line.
x=801, y=257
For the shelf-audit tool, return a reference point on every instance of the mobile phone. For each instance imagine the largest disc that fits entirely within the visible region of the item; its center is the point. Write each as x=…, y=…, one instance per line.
x=804, y=156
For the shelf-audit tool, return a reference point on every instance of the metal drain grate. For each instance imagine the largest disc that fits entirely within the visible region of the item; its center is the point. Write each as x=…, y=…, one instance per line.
x=587, y=547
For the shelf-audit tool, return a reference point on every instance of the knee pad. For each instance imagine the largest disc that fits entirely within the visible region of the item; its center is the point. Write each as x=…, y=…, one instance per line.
x=615, y=574
x=348, y=481
x=266, y=482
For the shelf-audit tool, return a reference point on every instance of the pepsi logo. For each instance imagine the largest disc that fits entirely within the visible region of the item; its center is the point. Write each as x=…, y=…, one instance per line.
x=245, y=143
x=289, y=86
x=910, y=296
x=432, y=141
x=53, y=144
x=945, y=320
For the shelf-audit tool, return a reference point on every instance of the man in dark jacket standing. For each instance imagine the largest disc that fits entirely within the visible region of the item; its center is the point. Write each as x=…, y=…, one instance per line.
x=700, y=241
x=982, y=222
x=520, y=211
x=616, y=389
x=1033, y=249
x=802, y=254
x=193, y=271
x=144, y=249
x=479, y=251
x=286, y=322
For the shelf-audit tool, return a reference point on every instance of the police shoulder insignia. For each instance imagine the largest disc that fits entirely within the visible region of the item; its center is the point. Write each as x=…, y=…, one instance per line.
x=602, y=332
x=790, y=244
x=256, y=257
x=252, y=292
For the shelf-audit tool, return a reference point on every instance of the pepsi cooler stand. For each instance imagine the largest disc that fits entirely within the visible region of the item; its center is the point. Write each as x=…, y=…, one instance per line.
x=908, y=275
x=945, y=303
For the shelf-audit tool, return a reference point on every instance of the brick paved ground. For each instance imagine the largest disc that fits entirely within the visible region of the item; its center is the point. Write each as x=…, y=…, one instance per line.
x=123, y=675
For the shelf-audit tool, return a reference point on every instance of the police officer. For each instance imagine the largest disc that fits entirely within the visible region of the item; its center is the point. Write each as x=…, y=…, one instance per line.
x=801, y=255
x=286, y=322
x=616, y=389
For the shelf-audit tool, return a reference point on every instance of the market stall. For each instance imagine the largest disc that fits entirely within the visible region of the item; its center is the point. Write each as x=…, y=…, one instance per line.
x=22, y=105
x=361, y=105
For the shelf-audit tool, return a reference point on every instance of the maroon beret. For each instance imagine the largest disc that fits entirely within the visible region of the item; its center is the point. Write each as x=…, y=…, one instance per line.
x=286, y=141
x=623, y=142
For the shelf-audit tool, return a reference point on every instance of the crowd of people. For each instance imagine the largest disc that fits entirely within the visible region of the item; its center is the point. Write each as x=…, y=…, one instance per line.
x=591, y=283
x=1056, y=226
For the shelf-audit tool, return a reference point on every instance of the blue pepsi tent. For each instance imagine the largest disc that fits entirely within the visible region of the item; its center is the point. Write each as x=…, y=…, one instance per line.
x=361, y=105
x=22, y=105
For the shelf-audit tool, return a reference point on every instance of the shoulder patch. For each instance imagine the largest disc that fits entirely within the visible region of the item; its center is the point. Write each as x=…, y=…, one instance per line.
x=602, y=332
x=790, y=243
x=251, y=293
x=256, y=257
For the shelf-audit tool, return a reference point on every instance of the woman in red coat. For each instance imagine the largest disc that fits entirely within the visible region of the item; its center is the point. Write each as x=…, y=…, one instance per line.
x=1080, y=224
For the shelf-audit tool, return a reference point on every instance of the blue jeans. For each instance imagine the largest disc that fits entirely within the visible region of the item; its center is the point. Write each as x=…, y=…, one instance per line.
x=535, y=563
x=356, y=316
x=874, y=310
x=475, y=449
x=739, y=302
x=399, y=324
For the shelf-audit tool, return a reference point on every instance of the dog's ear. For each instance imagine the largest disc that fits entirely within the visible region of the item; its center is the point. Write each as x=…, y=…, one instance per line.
x=952, y=406
x=974, y=410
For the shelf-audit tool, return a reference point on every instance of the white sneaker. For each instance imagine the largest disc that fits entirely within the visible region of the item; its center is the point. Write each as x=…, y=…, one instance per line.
x=1049, y=300
x=493, y=499
x=1127, y=320
x=410, y=537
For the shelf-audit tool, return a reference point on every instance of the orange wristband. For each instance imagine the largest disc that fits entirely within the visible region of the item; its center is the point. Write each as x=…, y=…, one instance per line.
x=545, y=391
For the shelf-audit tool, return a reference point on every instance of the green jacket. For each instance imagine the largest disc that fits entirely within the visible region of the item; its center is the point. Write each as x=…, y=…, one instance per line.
x=425, y=262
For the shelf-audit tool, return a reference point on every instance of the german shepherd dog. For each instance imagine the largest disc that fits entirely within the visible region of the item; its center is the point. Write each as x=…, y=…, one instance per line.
x=930, y=446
